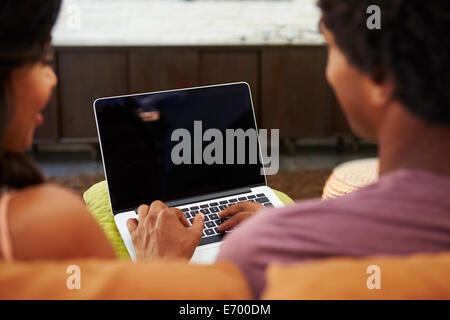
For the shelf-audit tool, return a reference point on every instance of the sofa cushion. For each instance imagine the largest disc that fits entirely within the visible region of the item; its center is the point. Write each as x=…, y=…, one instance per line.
x=107, y=279
x=424, y=276
x=97, y=201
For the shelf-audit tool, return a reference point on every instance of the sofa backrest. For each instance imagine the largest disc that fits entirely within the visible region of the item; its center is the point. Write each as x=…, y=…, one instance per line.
x=423, y=276
x=104, y=279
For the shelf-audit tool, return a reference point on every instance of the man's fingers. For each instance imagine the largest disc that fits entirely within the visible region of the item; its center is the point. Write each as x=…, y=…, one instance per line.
x=142, y=211
x=228, y=224
x=132, y=224
x=232, y=210
x=240, y=207
x=182, y=218
x=232, y=222
x=198, y=224
x=157, y=206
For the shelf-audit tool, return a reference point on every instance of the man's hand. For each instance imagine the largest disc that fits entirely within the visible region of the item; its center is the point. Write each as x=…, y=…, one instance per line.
x=163, y=232
x=238, y=213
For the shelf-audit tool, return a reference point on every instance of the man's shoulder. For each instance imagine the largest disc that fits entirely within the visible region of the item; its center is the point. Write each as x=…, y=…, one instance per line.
x=348, y=210
x=375, y=195
x=345, y=203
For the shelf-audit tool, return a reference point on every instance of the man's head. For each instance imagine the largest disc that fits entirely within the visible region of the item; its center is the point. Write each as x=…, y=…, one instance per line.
x=406, y=61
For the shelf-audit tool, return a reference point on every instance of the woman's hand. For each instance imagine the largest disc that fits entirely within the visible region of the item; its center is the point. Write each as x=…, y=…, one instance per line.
x=163, y=232
x=238, y=213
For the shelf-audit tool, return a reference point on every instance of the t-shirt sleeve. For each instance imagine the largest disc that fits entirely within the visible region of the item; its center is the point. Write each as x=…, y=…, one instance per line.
x=246, y=246
x=237, y=248
x=299, y=233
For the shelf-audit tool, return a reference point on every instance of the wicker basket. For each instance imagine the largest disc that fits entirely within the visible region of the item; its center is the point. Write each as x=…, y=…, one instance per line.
x=351, y=176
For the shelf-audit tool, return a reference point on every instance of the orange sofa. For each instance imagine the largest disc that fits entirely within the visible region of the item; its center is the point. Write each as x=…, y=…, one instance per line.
x=424, y=276
x=421, y=276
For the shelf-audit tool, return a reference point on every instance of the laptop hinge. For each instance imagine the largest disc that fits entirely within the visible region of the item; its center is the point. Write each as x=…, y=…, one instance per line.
x=201, y=198
x=209, y=196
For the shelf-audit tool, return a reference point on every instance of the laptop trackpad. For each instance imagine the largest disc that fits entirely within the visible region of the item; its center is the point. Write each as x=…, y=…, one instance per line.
x=206, y=254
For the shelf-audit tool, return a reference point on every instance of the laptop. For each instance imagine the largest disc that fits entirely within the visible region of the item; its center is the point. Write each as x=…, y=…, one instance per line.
x=146, y=159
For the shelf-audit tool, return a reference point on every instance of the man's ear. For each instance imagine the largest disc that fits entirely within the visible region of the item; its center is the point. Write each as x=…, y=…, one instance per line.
x=380, y=94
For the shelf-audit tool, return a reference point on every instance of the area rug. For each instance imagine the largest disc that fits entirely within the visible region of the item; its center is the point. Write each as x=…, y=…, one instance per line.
x=298, y=184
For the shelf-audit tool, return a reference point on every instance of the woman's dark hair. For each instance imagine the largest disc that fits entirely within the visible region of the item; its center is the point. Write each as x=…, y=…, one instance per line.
x=411, y=49
x=25, y=28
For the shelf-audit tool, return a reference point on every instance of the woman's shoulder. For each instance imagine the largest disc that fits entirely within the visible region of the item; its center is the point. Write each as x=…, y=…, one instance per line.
x=55, y=218
x=47, y=193
x=46, y=200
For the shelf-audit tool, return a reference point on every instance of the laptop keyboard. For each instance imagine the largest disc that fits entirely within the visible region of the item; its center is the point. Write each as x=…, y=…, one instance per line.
x=211, y=213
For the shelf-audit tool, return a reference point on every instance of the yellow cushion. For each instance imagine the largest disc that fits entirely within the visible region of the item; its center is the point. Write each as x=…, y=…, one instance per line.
x=425, y=276
x=97, y=201
x=101, y=279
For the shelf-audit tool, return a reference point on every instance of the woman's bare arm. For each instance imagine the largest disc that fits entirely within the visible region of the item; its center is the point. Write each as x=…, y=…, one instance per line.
x=49, y=222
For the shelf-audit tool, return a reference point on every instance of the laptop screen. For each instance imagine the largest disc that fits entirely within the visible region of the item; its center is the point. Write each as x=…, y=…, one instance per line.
x=155, y=145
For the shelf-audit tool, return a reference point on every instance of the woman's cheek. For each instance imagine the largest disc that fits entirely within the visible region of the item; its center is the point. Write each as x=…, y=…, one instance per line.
x=32, y=91
x=45, y=84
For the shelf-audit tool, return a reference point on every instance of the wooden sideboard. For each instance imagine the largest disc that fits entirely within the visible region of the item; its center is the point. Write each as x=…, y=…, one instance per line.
x=288, y=85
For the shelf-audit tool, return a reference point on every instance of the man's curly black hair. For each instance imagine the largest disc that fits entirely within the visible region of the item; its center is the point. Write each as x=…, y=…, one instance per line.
x=411, y=49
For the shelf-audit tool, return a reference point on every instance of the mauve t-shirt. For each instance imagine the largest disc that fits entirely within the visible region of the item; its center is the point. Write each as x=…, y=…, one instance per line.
x=407, y=211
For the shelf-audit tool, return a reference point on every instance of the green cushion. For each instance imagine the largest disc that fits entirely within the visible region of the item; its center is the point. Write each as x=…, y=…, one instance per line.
x=97, y=201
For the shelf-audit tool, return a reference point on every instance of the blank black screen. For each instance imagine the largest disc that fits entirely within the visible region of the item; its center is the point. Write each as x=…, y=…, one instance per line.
x=135, y=133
